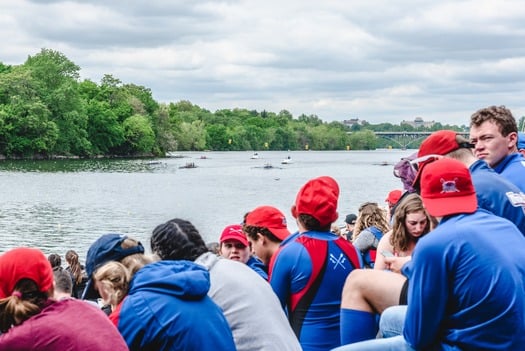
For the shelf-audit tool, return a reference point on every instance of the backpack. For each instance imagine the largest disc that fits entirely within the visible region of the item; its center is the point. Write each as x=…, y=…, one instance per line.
x=369, y=256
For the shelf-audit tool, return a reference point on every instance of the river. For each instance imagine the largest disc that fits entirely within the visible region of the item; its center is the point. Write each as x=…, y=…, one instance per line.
x=67, y=204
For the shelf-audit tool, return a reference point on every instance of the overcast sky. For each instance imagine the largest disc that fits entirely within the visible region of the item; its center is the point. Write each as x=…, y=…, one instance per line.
x=379, y=61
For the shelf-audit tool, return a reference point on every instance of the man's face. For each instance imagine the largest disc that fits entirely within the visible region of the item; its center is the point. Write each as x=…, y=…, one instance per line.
x=235, y=250
x=490, y=145
x=261, y=250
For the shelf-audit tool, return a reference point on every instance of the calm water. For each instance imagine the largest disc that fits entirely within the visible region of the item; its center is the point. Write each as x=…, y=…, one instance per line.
x=61, y=205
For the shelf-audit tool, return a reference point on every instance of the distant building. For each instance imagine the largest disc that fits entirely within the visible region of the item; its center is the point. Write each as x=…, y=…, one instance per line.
x=419, y=122
x=353, y=121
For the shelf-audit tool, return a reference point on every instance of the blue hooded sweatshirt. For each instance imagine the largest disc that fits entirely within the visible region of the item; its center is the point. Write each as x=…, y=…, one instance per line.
x=167, y=308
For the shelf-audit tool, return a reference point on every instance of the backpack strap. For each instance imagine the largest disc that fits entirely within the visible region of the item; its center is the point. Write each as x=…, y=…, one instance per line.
x=369, y=257
x=377, y=233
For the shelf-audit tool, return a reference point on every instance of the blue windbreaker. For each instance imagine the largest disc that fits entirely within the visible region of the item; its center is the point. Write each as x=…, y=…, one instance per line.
x=498, y=195
x=512, y=167
x=467, y=286
x=167, y=308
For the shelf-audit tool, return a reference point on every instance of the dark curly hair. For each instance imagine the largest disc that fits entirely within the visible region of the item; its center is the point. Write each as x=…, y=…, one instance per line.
x=177, y=239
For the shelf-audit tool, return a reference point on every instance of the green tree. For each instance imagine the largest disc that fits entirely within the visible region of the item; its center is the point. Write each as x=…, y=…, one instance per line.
x=363, y=140
x=191, y=136
x=105, y=132
x=57, y=87
x=218, y=137
x=139, y=135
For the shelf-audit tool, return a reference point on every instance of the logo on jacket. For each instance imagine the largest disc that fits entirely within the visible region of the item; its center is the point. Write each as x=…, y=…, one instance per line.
x=338, y=261
x=516, y=199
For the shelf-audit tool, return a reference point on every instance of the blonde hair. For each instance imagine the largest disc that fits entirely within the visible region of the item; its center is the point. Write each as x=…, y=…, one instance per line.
x=370, y=214
x=335, y=229
x=115, y=278
x=135, y=261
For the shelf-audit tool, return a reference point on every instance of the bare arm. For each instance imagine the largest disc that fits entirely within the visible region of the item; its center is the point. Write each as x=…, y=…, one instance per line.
x=396, y=263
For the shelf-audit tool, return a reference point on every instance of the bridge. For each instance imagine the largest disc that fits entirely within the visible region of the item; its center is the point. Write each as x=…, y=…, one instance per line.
x=404, y=139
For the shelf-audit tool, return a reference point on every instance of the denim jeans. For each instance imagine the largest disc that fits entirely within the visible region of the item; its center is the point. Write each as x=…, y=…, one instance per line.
x=392, y=321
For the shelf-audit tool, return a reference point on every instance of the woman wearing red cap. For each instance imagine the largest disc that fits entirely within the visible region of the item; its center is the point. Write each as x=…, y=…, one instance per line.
x=234, y=245
x=31, y=320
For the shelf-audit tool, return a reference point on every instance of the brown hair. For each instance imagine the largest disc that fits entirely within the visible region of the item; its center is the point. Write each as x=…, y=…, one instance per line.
x=25, y=302
x=251, y=231
x=400, y=237
x=74, y=266
x=500, y=115
x=311, y=223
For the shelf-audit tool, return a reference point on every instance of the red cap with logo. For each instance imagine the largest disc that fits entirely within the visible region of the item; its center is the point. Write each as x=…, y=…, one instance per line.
x=439, y=143
x=234, y=232
x=446, y=188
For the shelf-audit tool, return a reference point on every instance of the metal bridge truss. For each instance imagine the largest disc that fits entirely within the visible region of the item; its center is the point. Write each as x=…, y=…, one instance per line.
x=404, y=139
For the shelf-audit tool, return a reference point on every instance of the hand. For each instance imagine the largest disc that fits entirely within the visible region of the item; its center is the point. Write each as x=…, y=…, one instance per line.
x=396, y=263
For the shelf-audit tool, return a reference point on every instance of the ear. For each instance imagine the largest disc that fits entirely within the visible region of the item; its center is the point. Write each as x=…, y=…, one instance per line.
x=294, y=211
x=513, y=140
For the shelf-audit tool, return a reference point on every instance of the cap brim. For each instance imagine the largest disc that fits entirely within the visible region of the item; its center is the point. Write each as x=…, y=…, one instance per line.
x=440, y=207
x=242, y=241
x=281, y=233
x=90, y=293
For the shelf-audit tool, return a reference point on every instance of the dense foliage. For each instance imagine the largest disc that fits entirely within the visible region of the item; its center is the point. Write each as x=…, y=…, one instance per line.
x=45, y=111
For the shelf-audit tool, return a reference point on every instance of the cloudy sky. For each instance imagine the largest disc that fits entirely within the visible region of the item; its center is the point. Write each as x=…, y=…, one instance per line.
x=380, y=61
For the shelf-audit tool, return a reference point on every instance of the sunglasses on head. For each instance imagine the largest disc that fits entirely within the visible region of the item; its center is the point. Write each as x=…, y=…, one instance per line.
x=423, y=160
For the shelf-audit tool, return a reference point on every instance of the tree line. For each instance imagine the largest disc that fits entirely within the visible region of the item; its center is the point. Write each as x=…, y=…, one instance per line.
x=47, y=111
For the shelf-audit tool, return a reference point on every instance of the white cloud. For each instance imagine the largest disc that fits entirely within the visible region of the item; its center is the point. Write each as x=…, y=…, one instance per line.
x=381, y=61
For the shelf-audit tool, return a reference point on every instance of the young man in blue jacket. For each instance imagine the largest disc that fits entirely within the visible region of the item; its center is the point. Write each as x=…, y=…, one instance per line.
x=494, y=132
x=466, y=282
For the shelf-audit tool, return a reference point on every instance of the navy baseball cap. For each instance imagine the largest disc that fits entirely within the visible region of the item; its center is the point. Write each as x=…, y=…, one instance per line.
x=105, y=249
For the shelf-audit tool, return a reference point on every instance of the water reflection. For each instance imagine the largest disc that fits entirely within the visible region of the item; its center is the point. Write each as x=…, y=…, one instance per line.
x=81, y=165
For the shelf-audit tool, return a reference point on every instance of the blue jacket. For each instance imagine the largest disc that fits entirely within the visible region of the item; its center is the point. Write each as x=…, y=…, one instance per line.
x=498, y=195
x=512, y=167
x=167, y=308
x=258, y=266
x=467, y=286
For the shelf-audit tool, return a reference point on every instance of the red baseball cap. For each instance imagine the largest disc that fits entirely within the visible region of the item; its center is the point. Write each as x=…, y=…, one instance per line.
x=446, y=188
x=234, y=232
x=393, y=196
x=439, y=143
x=318, y=198
x=270, y=218
x=21, y=263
